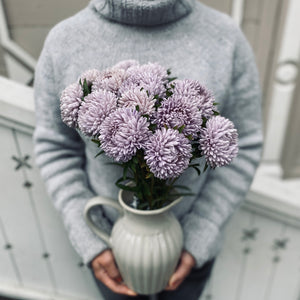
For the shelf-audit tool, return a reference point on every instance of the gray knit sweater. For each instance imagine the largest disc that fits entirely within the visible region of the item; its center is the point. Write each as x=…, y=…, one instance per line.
x=196, y=42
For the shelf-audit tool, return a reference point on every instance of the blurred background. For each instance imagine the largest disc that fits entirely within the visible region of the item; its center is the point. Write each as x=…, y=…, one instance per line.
x=261, y=255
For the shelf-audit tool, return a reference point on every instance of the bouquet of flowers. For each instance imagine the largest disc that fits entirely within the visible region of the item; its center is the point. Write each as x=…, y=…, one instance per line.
x=152, y=125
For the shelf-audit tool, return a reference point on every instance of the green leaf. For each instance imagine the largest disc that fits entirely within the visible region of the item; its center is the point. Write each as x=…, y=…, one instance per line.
x=205, y=167
x=137, y=107
x=99, y=153
x=169, y=93
x=125, y=170
x=125, y=187
x=181, y=128
x=215, y=103
x=96, y=142
x=169, y=71
x=149, y=175
x=146, y=116
x=146, y=189
x=171, y=79
x=86, y=88
x=152, y=127
x=216, y=113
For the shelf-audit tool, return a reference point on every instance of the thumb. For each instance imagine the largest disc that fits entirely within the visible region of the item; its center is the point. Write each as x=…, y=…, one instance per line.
x=184, y=268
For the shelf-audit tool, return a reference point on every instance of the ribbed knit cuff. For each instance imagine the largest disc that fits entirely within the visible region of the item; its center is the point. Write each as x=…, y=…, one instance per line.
x=201, y=238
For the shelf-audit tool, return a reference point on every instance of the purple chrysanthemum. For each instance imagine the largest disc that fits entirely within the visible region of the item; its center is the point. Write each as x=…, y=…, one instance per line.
x=70, y=101
x=219, y=141
x=95, y=108
x=126, y=64
x=167, y=153
x=154, y=69
x=137, y=97
x=90, y=76
x=110, y=80
x=122, y=133
x=193, y=88
x=152, y=77
x=178, y=111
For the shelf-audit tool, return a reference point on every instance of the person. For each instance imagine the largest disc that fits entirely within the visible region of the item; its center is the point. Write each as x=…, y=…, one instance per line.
x=196, y=42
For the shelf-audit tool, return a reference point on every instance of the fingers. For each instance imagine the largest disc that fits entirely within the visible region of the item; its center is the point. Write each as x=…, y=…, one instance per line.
x=183, y=270
x=107, y=272
x=112, y=284
x=111, y=268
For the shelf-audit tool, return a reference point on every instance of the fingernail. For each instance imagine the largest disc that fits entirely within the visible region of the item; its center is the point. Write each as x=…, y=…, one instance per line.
x=132, y=293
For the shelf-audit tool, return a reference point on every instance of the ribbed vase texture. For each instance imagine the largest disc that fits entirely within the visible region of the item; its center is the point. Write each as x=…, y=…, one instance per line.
x=147, y=249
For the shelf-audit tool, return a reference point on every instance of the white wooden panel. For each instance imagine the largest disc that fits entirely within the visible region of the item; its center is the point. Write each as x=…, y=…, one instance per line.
x=8, y=275
x=283, y=89
x=63, y=263
x=231, y=259
x=17, y=215
x=260, y=267
x=286, y=278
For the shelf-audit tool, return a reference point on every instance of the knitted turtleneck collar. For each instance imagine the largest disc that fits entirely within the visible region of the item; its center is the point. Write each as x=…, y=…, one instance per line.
x=143, y=12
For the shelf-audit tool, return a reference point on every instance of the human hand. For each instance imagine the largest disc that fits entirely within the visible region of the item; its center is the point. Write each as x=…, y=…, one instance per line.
x=187, y=262
x=106, y=271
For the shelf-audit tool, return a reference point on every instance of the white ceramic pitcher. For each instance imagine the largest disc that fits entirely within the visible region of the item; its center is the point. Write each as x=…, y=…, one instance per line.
x=146, y=244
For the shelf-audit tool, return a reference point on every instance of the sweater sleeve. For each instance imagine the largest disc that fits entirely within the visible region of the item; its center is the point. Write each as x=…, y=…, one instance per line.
x=60, y=155
x=226, y=187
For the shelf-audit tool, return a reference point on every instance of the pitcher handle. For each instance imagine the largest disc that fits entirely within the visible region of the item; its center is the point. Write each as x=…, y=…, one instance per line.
x=95, y=202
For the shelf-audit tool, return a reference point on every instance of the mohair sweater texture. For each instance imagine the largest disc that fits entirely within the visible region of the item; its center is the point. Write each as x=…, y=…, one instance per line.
x=196, y=42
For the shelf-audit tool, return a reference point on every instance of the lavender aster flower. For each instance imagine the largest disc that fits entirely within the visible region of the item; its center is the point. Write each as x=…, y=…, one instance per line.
x=154, y=69
x=95, y=108
x=138, y=97
x=178, y=111
x=193, y=88
x=167, y=153
x=90, y=76
x=219, y=141
x=70, y=101
x=122, y=133
x=126, y=64
x=152, y=77
x=110, y=80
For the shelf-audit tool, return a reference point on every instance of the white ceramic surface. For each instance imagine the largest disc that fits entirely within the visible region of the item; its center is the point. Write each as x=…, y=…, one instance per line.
x=146, y=244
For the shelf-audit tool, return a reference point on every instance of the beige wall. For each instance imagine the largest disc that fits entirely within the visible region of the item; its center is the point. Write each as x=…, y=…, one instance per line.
x=30, y=21
x=2, y=63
